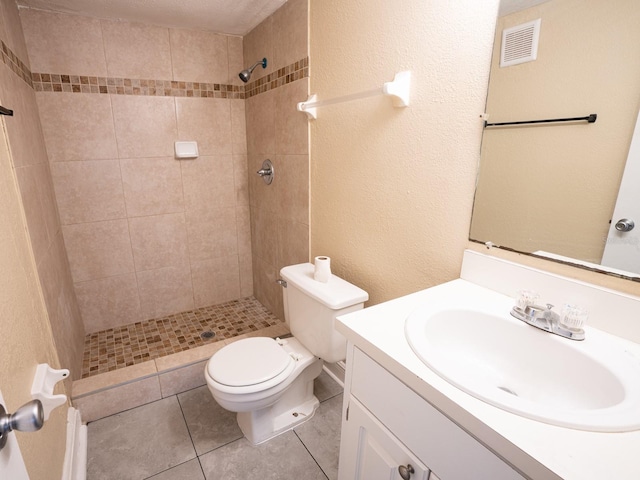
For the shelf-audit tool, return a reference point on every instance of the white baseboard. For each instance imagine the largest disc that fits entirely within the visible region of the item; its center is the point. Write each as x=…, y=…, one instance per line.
x=335, y=371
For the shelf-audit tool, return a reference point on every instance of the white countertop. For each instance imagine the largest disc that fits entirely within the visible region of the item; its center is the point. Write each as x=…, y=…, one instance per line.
x=538, y=450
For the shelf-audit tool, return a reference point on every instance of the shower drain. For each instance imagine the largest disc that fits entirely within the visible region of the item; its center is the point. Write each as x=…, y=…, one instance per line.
x=207, y=334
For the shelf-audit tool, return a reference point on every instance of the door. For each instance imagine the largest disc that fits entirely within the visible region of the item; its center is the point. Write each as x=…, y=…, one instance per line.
x=622, y=249
x=371, y=452
x=12, y=466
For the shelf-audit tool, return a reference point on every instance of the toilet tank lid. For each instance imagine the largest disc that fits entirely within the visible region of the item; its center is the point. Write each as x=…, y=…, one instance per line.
x=335, y=294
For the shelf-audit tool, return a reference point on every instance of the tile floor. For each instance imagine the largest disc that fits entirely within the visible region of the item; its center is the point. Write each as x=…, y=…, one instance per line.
x=189, y=437
x=139, y=342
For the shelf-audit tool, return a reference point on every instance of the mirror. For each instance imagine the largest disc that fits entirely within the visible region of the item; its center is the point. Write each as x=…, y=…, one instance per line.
x=550, y=189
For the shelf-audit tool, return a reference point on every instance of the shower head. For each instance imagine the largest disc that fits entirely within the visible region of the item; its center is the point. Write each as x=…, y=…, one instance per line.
x=245, y=75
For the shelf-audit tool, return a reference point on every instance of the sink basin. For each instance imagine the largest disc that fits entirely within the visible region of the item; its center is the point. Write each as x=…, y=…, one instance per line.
x=589, y=385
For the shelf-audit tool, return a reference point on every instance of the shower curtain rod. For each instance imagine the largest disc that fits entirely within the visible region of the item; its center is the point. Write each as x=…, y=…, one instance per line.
x=589, y=118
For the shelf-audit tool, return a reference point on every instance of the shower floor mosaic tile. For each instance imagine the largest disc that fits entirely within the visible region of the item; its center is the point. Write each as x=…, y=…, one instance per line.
x=138, y=342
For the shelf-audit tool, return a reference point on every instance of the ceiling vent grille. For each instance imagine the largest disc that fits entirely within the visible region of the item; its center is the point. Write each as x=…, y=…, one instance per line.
x=520, y=43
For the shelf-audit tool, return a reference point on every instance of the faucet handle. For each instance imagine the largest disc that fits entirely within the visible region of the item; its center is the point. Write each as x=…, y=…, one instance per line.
x=526, y=298
x=550, y=306
x=573, y=317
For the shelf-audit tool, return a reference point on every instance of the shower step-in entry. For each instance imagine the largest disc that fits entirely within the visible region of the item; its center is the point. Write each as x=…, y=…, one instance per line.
x=139, y=342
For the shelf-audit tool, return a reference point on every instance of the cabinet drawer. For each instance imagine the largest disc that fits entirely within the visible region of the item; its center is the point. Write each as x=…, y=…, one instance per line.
x=441, y=444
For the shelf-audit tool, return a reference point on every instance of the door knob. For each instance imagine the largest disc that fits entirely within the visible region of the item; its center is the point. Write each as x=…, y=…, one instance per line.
x=405, y=472
x=625, y=225
x=28, y=418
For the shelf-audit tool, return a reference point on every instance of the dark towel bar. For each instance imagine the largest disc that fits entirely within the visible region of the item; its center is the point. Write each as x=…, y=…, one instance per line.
x=589, y=118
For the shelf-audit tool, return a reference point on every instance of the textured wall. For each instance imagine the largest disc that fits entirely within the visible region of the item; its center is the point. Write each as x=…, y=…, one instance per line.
x=392, y=189
x=275, y=130
x=147, y=235
x=24, y=325
x=34, y=179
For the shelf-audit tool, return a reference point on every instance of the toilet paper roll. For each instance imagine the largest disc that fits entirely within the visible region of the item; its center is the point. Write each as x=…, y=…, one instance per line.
x=322, y=272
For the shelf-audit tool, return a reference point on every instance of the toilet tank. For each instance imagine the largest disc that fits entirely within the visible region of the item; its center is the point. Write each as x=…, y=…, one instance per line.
x=311, y=308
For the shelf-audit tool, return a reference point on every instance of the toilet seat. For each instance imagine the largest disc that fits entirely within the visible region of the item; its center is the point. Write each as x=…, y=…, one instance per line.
x=250, y=365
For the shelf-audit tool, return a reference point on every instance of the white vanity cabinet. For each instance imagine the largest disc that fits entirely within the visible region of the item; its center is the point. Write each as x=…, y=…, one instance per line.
x=386, y=425
x=375, y=453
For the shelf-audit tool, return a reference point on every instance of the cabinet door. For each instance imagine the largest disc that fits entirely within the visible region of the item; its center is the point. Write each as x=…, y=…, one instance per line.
x=370, y=452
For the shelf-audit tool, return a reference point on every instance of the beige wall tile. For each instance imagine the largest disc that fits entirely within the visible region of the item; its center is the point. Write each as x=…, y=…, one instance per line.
x=34, y=214
x=212, y=233
x=293, y=188
x=24, y=131
x=199, y=56
x=208, y=183
x=182, y=379
x=207, y=121
x=98, y=249
x=243, y=221
x=159, y=241
x=241, y=179
x=136, y=50
x=88, y=191
x=246, y=276
x=259, y=192
x=265, y=288
x=264, y=232
x=261, y=123
x=61, y=43
x=47, y=199
x=152, y=186
x=108, y=302
x=165, y=291
x=292, y=129
x=216, y=281
x=293, y=243
x=258, y=44
x=118, y=399
x=77, y=126
x=12, y=30
x=238, y=127
x=290, y=33
x=64, y=316
x=145, y=126
x=236, y=59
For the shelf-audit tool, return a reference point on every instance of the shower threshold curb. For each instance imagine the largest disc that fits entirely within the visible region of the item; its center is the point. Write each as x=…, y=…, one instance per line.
x=113, y=392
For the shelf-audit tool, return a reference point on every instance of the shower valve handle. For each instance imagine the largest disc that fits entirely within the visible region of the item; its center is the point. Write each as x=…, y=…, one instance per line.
x=266, y=172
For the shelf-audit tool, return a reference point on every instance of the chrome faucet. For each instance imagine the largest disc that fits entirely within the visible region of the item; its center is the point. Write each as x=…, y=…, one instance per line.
x=544, y=318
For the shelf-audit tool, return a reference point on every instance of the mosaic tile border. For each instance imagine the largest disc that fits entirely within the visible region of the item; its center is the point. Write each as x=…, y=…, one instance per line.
x=17, y=66
x=139, y=342
x=282, y=76
x=53, y=82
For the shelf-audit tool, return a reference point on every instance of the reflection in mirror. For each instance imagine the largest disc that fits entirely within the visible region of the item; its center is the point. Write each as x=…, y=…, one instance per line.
x=551, y=189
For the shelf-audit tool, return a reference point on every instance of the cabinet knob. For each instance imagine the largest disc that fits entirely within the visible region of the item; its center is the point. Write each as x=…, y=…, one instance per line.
x=405, y=472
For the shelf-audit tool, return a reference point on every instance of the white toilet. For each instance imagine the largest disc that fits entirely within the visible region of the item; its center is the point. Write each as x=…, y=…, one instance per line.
x=270, y=382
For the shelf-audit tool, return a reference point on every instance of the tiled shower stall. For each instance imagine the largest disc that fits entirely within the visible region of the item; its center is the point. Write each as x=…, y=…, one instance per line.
x=122, y=232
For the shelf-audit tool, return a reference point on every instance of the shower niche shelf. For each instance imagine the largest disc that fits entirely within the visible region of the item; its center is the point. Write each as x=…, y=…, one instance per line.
x=398, y=89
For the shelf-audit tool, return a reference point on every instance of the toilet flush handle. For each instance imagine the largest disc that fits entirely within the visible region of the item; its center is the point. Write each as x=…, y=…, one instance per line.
x=281, y=282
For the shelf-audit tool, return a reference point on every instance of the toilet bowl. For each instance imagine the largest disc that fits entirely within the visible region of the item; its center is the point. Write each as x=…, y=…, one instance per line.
x=277, y=397
x=269, y=382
